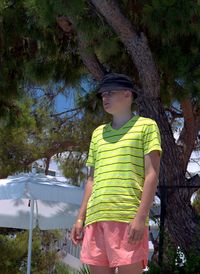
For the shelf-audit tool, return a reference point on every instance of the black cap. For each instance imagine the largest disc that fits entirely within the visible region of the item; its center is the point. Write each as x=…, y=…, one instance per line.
x=116, y=81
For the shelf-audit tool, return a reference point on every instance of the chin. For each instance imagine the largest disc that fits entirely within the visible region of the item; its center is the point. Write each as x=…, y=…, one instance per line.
x=108, y=110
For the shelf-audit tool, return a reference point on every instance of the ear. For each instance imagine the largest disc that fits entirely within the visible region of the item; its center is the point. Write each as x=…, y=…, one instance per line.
x=128, y=93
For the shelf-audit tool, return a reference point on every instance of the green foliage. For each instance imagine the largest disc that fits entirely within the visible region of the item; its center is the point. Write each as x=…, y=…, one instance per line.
x=39, y=51
x=190, y=266
x=175, y=260
x=172, y=19
x=72, y=166
x=14, y=251
x=84, y=270
x=173, y=29
x=61, y=268
x=31, y=133
x=15, y=142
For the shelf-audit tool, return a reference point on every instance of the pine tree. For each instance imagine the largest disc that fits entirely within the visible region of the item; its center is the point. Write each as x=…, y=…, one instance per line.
x=155, y=42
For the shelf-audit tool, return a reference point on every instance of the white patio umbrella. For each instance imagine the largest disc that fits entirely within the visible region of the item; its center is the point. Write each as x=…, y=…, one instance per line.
x=30, y=200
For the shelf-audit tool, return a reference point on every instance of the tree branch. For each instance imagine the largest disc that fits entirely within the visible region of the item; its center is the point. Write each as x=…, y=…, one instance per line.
x=88, y=57
x=66, y=111
x=47, y=163
x=136, y=44
x=189, y=132
x=55, y=148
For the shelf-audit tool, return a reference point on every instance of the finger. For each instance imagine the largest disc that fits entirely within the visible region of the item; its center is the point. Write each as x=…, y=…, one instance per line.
x=74, y=236
x=129, y=230
x=79, y=235
x=131, y=235
x=78, y=232
x=137, y=237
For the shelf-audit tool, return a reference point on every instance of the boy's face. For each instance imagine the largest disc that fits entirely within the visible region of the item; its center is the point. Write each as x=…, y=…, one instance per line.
x=116, y=102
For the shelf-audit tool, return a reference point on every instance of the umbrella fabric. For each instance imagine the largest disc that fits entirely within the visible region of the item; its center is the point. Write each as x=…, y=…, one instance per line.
x=53, y=204
x=56, y=202
x=47, y=215
x=39, y=186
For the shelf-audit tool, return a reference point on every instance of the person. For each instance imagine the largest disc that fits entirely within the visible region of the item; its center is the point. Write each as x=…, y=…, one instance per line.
x=123, y=164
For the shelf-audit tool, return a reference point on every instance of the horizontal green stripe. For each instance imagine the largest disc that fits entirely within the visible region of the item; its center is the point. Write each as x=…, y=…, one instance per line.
x=114, y=215
x=126, y=219
x=114, y=149
x=113, y=171
x=118, y=155
x=133, y=179
x=118, y=187
x=115, y=219
x=111, y=194
x=116, y=202
x=113, y=178
x=155, y=140
x=117, y=163
x=108, y=200
x=124, y=197
x=118, y=206
x=148, y=133
x=124, y=140
x=113, y=210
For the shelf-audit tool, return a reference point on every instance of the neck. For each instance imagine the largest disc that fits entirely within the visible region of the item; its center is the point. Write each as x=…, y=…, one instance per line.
x=120, y=119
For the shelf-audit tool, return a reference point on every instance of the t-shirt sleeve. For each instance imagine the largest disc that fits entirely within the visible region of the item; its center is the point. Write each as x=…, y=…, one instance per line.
x=151, y=138
x=91, y=155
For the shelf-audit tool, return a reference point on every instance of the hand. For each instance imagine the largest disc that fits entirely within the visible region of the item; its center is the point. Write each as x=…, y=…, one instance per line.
x=77, y=232
x=136, y=230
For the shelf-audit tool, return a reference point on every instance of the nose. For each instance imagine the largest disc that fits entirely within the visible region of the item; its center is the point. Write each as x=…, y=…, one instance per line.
x=105, y=98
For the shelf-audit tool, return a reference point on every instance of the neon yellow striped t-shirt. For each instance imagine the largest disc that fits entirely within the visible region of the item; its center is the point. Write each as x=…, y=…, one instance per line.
x=117, y=156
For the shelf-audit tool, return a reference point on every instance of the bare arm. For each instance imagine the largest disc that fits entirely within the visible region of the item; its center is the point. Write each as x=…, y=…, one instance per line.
x=152, y=165
x=77, y=230
x=87, y=194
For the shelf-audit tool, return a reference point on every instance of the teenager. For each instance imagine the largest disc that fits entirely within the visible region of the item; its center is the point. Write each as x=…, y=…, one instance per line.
x=123, y=165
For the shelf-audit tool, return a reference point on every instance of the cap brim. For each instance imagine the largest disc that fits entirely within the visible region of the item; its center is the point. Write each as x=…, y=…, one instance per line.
x=100, y=91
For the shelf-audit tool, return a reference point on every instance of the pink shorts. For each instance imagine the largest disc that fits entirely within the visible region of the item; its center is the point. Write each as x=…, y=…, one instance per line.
x=106, y=244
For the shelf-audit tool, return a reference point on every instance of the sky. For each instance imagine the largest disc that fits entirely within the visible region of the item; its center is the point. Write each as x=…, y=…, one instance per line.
x=62, y=103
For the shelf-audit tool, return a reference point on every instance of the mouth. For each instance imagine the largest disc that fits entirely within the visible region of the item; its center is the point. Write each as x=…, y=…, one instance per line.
x=106, y=104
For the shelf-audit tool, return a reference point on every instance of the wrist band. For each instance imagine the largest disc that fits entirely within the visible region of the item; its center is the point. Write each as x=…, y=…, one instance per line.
x=79, y=220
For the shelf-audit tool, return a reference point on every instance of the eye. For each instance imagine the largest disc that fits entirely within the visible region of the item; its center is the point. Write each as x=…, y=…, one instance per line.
x=106, y=93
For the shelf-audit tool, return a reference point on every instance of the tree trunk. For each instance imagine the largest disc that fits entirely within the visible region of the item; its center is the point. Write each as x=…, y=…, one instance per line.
x=47, y=163
x=181, y=220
